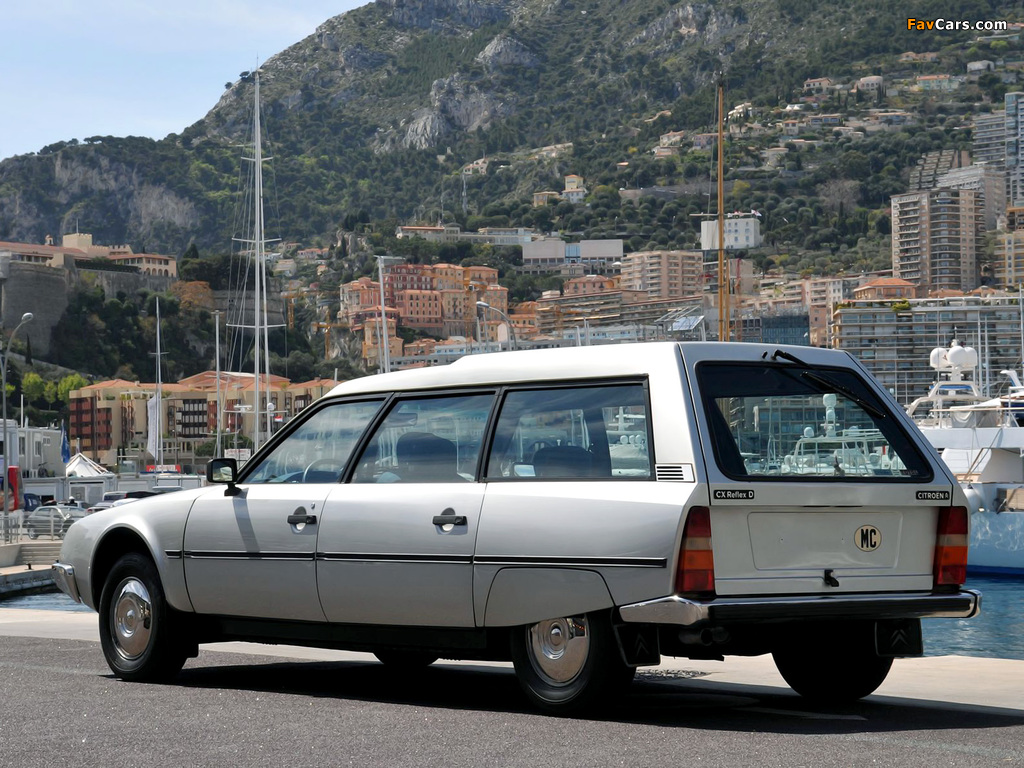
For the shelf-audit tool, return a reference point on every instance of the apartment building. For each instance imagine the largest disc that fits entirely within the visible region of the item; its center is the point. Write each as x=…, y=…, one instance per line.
x=932, y=165
x=988, y=142
x=552, y=254
x=1014, y=147
x=585, y=285
x=885, y=288
x=742, y=231
x=663, y=274
x=110, y=420
x=1008, y=265
x=936, y=238
x=990, y=184
x=895, y=345
x=555, y=312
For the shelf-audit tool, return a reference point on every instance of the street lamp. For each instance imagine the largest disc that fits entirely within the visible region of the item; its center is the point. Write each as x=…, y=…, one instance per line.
x=26, y=318
x=511, y=329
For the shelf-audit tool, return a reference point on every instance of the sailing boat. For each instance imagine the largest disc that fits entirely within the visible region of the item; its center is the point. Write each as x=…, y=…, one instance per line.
x=255, y=249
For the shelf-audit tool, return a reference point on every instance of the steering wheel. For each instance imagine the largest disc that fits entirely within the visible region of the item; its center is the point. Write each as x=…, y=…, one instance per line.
x=316, y=463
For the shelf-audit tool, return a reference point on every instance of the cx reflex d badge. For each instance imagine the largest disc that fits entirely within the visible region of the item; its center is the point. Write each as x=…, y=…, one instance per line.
x=868, y=538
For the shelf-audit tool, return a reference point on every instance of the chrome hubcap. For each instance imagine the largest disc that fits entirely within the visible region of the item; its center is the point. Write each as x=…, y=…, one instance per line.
x=132, y=618
x=559, y=648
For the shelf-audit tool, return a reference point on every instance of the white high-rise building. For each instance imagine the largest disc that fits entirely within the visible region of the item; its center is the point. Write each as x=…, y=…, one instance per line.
x=741, y=231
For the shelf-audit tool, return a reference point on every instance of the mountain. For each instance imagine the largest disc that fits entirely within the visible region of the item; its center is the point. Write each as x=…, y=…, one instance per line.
x=377, y=111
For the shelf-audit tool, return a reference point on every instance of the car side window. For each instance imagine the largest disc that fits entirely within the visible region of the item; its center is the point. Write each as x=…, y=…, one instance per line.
x=319, y=449
x=569, y=433
x=427, y=440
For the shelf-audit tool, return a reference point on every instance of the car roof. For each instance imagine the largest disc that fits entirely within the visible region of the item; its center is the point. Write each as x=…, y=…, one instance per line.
x=524, y=366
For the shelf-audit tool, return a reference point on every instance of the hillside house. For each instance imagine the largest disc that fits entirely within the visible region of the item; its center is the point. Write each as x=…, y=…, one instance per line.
x=574, y=190
x=671, y=139
x=818, y=85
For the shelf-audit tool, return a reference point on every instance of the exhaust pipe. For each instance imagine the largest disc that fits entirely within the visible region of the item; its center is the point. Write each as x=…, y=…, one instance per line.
x=706, y=637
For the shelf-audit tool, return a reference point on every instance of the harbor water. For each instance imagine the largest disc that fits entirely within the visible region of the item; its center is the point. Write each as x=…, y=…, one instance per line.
x=998, y=632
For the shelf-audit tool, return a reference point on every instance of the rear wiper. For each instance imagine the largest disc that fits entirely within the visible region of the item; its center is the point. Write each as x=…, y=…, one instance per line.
x=826, y=384
x=785, y=356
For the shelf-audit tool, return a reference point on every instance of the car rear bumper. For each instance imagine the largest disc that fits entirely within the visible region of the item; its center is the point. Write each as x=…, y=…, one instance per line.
x=686, y=612
x=64, y=578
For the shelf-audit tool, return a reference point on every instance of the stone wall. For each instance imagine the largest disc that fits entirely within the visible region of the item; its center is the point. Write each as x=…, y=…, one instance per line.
x=44, y=291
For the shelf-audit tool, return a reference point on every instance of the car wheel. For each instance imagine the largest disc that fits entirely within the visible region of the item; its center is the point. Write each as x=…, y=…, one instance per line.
x=404, y=659
x=569, y=665
x=139, y=634
x=838, y=667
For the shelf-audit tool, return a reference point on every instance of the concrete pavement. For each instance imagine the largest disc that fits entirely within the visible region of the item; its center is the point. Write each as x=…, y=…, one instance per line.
x=967, y=682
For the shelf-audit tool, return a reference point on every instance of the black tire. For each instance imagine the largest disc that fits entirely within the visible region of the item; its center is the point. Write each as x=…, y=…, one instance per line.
x=405, y=660
x=571, y=665
x=141, y=636
x=837, y=664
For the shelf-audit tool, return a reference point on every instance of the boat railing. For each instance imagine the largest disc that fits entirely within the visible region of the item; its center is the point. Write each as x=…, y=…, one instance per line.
x=973, y=416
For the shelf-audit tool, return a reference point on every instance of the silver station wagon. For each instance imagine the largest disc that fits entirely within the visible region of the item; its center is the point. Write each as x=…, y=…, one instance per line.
x=580, y=512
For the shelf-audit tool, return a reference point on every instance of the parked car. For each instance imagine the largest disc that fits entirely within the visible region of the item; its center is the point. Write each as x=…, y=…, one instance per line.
x=51, y=520
x=99, y=506
x=579, y=512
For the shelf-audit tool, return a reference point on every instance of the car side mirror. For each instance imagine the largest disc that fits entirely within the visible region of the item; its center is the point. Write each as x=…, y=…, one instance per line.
x=224, y=471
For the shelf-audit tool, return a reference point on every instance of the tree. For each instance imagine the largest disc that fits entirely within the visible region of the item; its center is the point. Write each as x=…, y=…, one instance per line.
x=69, y=384
x=33, y=386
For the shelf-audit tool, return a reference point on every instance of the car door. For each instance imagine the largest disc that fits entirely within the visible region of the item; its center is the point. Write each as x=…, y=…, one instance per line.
x=396, y=543
x=252, y=553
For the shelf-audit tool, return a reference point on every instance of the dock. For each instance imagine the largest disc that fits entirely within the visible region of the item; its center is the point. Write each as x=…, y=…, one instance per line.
x=25, y=568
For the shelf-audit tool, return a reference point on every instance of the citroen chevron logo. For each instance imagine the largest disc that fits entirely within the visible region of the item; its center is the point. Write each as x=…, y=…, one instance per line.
x=641, y=649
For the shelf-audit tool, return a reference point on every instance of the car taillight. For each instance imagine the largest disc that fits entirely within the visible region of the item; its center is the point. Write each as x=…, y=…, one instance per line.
x=696, y=571
x=951, y=547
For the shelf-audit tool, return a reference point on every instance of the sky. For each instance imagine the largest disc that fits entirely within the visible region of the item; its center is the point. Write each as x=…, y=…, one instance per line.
x=71, y=69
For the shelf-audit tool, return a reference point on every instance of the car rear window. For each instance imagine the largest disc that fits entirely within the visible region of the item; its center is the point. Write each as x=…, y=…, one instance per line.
x=802, y=423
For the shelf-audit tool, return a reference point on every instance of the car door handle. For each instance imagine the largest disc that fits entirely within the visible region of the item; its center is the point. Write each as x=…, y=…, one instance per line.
x=301, y=519
x=449, y=519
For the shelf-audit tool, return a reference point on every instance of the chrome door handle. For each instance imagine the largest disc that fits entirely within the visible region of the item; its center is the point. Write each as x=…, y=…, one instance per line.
x=449, y=519
x=301, y=519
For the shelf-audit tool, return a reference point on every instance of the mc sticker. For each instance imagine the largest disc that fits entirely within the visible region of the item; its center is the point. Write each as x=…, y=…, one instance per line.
x=868, y=538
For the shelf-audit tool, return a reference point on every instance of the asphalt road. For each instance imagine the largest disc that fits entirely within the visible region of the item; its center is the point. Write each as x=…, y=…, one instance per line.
x=61, y=707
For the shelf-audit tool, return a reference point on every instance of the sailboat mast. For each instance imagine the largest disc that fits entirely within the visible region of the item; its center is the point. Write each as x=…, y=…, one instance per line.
x=159, y=392
x=724, y=333
x=259, y=257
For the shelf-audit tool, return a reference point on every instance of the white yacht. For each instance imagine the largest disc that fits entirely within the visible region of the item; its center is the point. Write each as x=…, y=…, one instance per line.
x=982, y=440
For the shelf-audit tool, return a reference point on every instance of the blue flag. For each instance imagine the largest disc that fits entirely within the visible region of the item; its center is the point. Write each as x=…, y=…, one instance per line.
x=65, y=447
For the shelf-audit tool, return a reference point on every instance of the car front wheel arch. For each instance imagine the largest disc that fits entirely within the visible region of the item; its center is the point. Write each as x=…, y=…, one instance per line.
x=114, y=545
